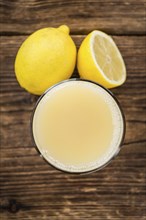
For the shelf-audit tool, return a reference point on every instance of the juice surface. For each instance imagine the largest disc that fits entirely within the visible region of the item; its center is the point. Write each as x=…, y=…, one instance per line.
x=77, y=126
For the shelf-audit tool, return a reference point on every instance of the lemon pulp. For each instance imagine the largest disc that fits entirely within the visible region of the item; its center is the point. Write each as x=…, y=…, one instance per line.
x=100, y=60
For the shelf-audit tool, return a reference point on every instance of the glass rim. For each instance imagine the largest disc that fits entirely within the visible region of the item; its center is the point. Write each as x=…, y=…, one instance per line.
x=118, y=147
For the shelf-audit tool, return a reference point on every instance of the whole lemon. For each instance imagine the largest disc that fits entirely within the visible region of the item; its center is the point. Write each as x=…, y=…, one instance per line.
x=46, y=57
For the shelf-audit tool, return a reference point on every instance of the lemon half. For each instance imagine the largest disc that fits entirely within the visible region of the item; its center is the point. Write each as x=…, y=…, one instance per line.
x=100, y=60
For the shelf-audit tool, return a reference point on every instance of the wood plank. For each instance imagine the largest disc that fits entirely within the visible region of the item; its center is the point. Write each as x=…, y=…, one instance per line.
x=17, y=104
x=114, y=17
x=15, y=127
x=31, y=189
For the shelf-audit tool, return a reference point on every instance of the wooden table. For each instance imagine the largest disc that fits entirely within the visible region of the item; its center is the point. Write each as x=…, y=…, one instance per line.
x=30, y=188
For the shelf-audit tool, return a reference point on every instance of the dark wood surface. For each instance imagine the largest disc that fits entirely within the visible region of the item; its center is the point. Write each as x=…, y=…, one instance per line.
x=30, y=189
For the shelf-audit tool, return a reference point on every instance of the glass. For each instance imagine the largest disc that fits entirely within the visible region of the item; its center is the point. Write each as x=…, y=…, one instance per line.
x=118, y=147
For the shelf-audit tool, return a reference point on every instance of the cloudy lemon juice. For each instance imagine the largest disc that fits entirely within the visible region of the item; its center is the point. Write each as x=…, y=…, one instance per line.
x=77, y=126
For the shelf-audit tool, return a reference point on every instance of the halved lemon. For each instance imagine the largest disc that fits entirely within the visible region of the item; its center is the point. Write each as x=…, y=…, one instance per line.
x=100, y=60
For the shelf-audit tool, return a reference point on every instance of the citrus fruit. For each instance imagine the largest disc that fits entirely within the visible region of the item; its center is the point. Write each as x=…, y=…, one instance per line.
x=100, y=60
x=45, y=58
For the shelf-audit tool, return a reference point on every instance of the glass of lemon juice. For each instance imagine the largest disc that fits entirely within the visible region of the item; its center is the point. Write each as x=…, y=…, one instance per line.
x=78, y=126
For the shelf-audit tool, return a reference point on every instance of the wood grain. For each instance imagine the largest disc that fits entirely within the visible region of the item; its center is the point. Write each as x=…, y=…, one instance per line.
x=31, y=189
x=34, y=190
x=114, y=17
